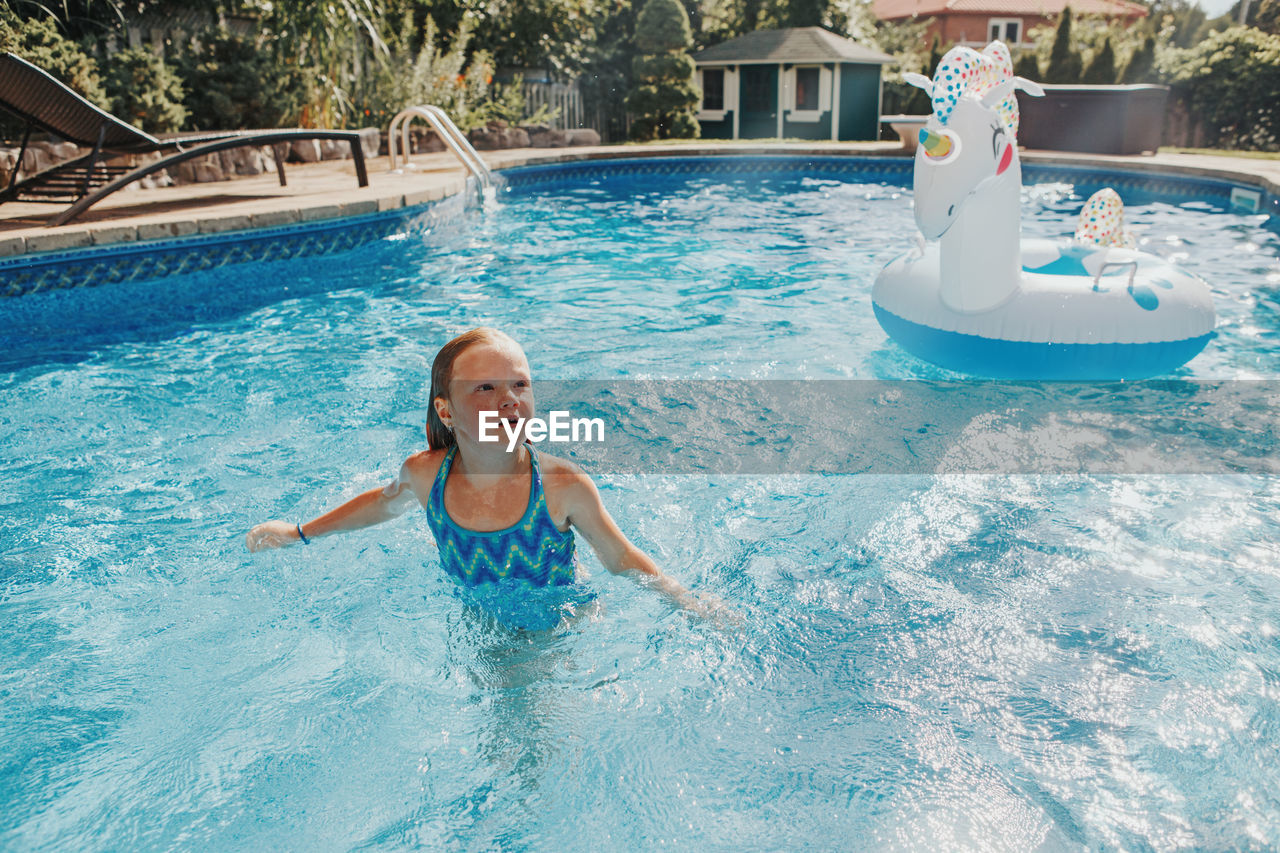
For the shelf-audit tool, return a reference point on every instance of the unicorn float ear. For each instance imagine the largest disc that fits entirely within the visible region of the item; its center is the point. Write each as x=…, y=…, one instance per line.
x=1029, y=86
x=997, y=93
x=919, y=81
x=1003, y=89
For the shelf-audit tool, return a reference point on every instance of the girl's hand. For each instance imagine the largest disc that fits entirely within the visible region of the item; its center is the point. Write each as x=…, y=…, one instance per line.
x=271, y=534
x=713, y=608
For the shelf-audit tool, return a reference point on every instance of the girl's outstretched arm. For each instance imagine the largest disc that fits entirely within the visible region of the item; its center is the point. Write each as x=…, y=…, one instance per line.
x=365, y=510
x=588, y=514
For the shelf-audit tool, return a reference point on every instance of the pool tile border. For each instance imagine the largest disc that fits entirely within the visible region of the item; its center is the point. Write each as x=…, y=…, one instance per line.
x=111, y=254
x=220, y=243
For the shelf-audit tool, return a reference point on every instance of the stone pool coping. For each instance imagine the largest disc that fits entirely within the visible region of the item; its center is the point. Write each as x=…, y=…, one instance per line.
x=327, y=191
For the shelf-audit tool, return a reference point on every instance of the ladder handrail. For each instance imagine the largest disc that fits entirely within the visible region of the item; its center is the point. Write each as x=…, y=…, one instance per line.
x=449, y=134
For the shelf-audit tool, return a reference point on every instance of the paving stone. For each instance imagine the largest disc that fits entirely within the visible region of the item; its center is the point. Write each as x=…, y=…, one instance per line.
x=224, y=223
x=165, y=230
x=12, y=246
x=273, y=218
x=326, y=211
x=114, y=234
x=358, y=208
x=57, y=240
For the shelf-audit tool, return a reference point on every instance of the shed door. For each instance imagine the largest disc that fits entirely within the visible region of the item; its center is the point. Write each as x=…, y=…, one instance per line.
x=759, y=102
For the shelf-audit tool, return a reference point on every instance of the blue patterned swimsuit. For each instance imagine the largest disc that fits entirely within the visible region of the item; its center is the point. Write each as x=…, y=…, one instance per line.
x=533, y=549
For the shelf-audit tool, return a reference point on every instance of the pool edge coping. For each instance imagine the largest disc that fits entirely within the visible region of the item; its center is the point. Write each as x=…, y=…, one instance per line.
x=106, y=235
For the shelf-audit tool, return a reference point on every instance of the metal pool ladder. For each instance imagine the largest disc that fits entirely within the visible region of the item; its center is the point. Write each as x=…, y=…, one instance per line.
x=449, y=133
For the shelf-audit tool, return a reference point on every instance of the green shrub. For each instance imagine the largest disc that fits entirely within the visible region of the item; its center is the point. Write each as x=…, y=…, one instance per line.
x=1230, y=82
x=232, y=83
x=40, y=43
x=435, y=74
x=144, y=91
x=663, y=94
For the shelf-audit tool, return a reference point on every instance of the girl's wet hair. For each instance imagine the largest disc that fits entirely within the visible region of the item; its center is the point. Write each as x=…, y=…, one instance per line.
x=439, y=436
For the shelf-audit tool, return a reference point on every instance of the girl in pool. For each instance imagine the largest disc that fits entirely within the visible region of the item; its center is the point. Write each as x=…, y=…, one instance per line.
x=495, y=514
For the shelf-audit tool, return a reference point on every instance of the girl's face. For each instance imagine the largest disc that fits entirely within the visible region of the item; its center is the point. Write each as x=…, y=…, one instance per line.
x=487, y=377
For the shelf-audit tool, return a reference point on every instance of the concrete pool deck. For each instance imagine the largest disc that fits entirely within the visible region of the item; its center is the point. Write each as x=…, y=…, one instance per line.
x=327, y=190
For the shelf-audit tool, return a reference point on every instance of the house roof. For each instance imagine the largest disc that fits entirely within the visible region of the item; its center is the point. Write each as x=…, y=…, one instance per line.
x=888, y=10
x=798, y=44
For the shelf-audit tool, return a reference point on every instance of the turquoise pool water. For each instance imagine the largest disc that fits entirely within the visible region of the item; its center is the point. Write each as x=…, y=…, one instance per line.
x=960, y=661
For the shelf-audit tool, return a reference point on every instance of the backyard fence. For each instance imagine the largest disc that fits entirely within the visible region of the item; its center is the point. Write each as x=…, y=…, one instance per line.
x=564, y=99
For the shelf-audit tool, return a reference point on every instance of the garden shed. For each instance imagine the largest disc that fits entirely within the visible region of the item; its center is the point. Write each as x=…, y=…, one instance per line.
x=802, y=82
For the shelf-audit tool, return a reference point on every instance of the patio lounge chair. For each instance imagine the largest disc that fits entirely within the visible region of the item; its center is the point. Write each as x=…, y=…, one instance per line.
x=43, y=102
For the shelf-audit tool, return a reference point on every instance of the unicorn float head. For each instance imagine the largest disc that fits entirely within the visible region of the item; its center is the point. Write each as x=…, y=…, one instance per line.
x=968, y=179
x=975, y=296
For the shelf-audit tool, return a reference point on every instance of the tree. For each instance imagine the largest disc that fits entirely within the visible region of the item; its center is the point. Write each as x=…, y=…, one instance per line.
x=1267, y=18
x=328, y=42
x=606, y=78
x=144, y=91
x=234, y=83
x=1027, y=66
x=780, y=14
x=39, y=42
x=1102, y=68
x=1231, y=83
x=1141, y=64
x=1064, y=62
x=663, y=95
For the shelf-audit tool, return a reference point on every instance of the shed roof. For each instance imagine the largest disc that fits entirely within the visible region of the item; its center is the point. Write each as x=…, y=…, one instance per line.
x=888, y=10
x=797, y=44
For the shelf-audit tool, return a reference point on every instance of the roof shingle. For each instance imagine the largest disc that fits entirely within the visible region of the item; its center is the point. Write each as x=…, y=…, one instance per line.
x=798, y=44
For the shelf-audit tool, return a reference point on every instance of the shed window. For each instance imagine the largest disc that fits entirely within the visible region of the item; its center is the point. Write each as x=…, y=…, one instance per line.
x=807, y=88
x=713, y=89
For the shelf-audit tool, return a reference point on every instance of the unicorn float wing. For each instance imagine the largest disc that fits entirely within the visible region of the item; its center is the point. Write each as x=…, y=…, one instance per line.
x=978, y=298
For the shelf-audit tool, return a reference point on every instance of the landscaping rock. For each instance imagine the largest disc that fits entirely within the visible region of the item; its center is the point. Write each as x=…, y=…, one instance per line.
x=35, y=160
x=335, y=149
x=304, y=151
x=208, y=170
x=549, y=139
x=492, y=139
x=583, y=136
x=425, y=141
x=370, y=141
x=60, y=151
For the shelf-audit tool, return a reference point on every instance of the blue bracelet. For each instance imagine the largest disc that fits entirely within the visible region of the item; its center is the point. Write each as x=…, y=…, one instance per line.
x=302, y=536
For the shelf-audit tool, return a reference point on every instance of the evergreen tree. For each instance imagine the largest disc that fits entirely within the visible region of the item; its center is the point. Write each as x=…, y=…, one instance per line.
x=144, y=91
x=1064, y=63
x=1141, y=64
x=233, y=83
x=1027, y=66
x=1102, y=68
x=663, y=95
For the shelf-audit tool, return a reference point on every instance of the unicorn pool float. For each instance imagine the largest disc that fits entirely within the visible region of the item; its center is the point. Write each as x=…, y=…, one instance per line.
x=974, y=296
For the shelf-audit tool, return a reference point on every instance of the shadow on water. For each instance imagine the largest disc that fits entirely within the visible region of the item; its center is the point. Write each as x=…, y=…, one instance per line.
x=69, y=326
